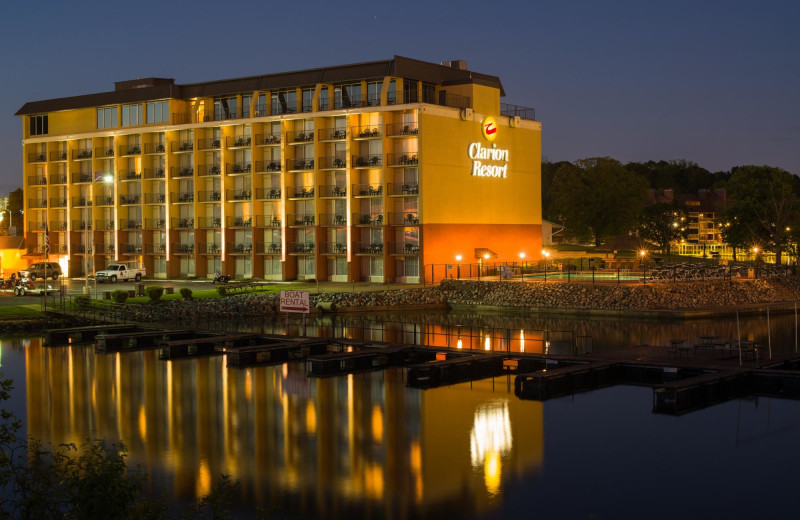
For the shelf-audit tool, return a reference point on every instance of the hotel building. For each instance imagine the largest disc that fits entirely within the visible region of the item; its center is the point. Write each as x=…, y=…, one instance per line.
x=363, y=172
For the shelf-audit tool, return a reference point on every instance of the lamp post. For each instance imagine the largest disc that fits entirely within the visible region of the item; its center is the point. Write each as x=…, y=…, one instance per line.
x=458, y=267
x=642, y=255
x=87, y=245
x=522, y=267
x=10, y=216
x=546, y=255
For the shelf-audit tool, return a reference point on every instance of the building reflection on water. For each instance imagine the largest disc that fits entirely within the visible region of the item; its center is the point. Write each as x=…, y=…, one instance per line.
x=360, y=444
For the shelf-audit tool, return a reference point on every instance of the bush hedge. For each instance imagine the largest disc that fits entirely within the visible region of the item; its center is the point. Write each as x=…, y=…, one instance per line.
x=154, y=292
x=119, y=296
x=186, y=293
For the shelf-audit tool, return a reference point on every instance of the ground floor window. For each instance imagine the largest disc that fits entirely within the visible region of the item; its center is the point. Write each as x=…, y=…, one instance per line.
x=306, y=266
x=244, y=267
x=213, y=265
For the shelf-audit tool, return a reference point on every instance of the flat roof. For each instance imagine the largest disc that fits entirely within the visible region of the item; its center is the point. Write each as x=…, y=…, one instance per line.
x=136, y=91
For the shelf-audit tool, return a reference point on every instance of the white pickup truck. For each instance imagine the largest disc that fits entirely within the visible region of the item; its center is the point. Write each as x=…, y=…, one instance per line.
x=115, y=272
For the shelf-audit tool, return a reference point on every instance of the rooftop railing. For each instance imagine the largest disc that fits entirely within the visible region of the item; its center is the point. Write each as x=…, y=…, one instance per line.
x=517, y=111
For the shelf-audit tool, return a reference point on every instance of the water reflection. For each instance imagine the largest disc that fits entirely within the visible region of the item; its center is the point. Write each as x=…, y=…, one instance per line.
x=321, y=448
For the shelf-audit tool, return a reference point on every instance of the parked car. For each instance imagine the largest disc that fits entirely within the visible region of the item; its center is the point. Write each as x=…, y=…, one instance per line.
x=40, y=270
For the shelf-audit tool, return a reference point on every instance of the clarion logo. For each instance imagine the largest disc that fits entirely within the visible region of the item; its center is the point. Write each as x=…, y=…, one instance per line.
x=489, y=128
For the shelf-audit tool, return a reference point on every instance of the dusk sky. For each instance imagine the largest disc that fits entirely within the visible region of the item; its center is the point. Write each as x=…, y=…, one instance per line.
x=712, y=82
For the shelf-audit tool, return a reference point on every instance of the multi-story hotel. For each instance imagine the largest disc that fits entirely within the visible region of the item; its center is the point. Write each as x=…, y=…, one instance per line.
x=364, y=172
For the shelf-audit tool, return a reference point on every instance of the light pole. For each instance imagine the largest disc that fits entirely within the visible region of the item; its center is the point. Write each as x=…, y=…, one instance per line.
x=522, y=267
x=458, y=267
x=546, y=255
x=10, y=216
x=86, y=243
x=642, y=254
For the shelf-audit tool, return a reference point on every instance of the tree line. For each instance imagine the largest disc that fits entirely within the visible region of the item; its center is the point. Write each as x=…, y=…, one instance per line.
x=598, y=198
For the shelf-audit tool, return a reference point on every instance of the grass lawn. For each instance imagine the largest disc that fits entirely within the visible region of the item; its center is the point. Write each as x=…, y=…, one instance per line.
x=15, y=312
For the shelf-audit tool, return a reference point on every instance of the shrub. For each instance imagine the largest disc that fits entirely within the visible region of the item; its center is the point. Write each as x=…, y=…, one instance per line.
x=119, y=296
x=154, y=292
x=222, y=290
x=83, y=301
x=186, y=293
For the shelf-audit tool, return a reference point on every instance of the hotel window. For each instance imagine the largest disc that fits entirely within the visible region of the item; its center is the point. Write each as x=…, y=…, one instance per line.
x=347, y=96
x=261, y=105
x=284, y=102
x=410, y=91
x=106, y=117
x=374, y=93
x=428, y=93
x=38, y=125
x=391, y=93
x=131, y=115
x=246, y=105
x=225, y=108
x=324, y=104
x=158, y=112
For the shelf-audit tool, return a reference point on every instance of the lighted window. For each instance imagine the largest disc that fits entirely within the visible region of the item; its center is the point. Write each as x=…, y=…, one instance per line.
x=284, y=102
x=131, y=115
x=346, y=96
x=225, y=108
x=158, y=112
x=106, y=117
x=38, y=125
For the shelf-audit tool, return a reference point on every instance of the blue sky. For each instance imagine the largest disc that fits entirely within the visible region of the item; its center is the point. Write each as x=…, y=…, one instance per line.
x=713, y=82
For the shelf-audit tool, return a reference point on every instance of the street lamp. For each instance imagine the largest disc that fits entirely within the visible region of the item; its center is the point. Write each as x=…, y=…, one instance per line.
x=87, y=246
x=458, y=267
x=522, y=267
x=546, y=255
x=10, y=216
x=642, y=254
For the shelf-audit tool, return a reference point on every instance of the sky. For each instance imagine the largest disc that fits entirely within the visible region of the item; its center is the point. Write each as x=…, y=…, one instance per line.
x=712, y=82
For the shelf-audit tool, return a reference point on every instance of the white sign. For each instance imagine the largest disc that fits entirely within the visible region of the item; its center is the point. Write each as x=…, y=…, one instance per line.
x=494, y=154
x=294, y=301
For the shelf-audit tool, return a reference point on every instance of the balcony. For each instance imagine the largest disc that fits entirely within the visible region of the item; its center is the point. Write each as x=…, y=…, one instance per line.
x=331, y=191
x=181, y=171
x=238, y=167
x=271, y=221
x=301, y=248
x=182, y=223
x=80, y=225
x=269, y=248
x=36, y=226
x=80, y=249
x=181, y=146
x=239, y=194
x=131, y=249
x=268, y=166
x=129, y=175
x=181, y=197
x=366, y=132
x=402, y=159
x=82, y=154
x=260, y=110
x=368, y=190
x=333, y=248
x=299, y=164
x=104, y=225
x=332, y=134
x=37, y=203
x=403, y=248
x=37, y=180
x=242, y=141
x=58, y=202
x=208, y=144
x=104, y=249
x=209, y=196
x=58, y=225
x=154, y=148
x=239, y=222
x=517, y=111
x=155, y=249
x=333, y=162
x=127, y=200
x=104, y=152
x=155, y=223
x=58, y=179
x=205, y=170
x=366, y=161
x=37, y=157
x=402, y=129
x=58, y=156
x=238, y=248
x=268, y=193
x=301, y=220
x=209, y=249
x=332, y=220
x=403, y=189
x=154, y=173
x=300, y=137
x=209, y=222
x=80, y=177
x=81, y=202
x=155, y=198
x=366, y=219
x=130, y=149
x=182, y=249
x=403, y=219
x=273, y=138
x=300, y=192
x=368, y=248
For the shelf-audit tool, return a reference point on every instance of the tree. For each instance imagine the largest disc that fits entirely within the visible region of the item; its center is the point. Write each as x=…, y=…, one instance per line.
x=596, y=198
x=766, y=201
x=14, y=206
x=663, y=224
x=734, y=231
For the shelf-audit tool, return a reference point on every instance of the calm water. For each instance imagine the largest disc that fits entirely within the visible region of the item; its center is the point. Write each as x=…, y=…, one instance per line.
x=366, y=446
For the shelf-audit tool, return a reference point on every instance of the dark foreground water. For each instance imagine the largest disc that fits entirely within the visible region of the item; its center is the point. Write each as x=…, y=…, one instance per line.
x=365, y=445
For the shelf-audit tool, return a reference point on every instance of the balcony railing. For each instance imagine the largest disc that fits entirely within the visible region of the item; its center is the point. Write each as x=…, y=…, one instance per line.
x=58, y=225
x=58, y=178
x=130, y=199
x=332, y=220
x=272, y=221
x=181, y=171
x=209, y=249
x=299, y=164
x=301, y=248
x=182, y=249
x=368, y=248
x=103, y=151
x=409, y=188
x=154, y=173
x=518, y=111
x=402, y=159
x=268, y=166
x=81, y=202
x=402, y=129
x=259, y=110
x=367, y=161
x=269, y=248
x=81, y=154
x=301, y=220
x=37, y=157
x=58, y=156
x=367, y=190
x=151, y=148
x=204, y=170
x=209, y=196
x=238, y=167
x=58, y=202
x=79, y=177
x=332, y=134
x=36, y=226
x=155, y=249
x=403, y=219
x=104, y=225
x=241, y=141
x=268, y=138
x=333, y=162
x=239, y=222
x=37, y=203
x=182, y=223
x=155, y=223
x=37, y=180
x=209, y=222
x=300, y=192
x=181, y=146
x=404, y=248
x=80, y=225
x=268, y=193
x=333, y=248
x=130, y=149
x=239, y=194
x=129, y=175
x=131, y=249
x=366, y=132
x=367, y=219
x=332, y=191
x=238, y=248
x=155, y=198
x=208, y=144
x=301, y=136
x=181, y=197
x=104, y=249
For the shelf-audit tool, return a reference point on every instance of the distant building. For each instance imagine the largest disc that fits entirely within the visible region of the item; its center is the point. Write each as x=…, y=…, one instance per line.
x=705, y=227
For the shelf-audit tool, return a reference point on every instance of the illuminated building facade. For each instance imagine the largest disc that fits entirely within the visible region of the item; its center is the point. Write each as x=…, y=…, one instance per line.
x=363, y=172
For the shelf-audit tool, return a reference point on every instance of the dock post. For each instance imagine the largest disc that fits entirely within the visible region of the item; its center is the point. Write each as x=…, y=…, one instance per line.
x=795, y=327
x=769, y=335
x=739, y=337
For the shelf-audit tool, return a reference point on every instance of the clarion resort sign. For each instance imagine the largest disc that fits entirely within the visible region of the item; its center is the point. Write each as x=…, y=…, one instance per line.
x=481, y=154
